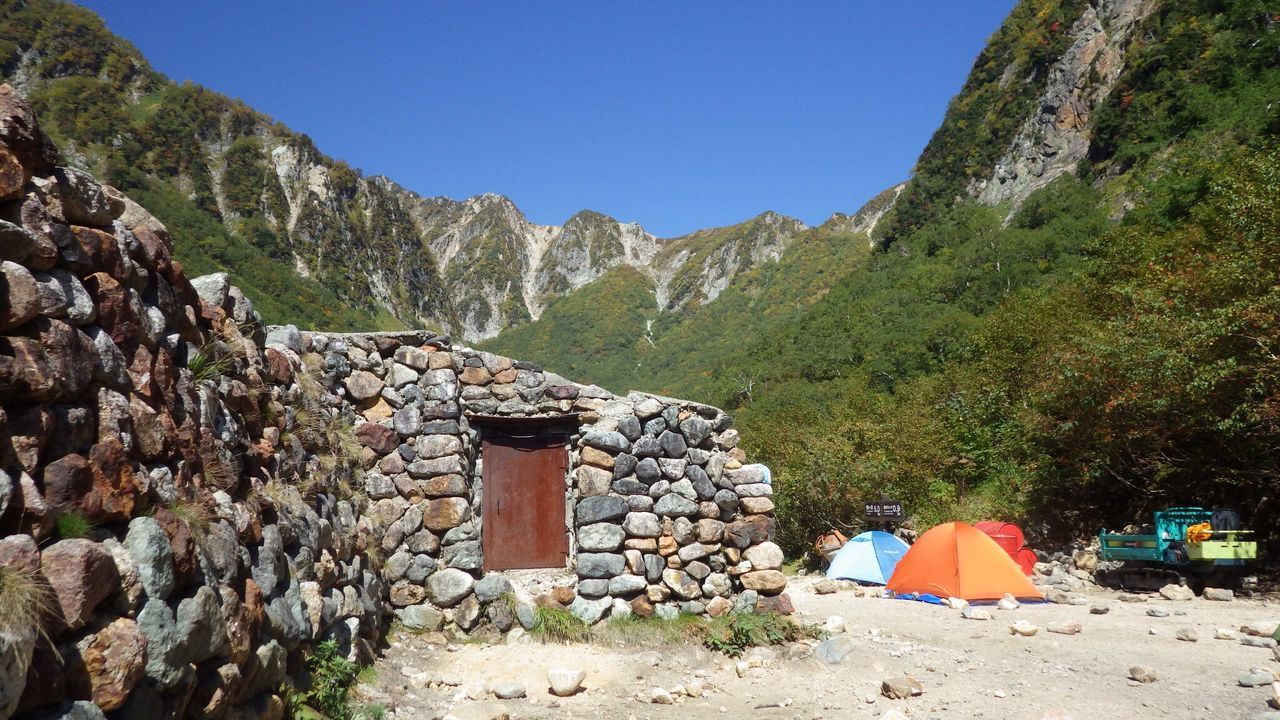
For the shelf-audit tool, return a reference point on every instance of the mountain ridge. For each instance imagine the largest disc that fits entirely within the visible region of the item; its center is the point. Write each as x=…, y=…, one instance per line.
x=473, y=267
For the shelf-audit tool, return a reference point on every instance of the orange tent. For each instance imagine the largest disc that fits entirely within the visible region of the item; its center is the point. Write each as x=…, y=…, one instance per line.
x=959, y=560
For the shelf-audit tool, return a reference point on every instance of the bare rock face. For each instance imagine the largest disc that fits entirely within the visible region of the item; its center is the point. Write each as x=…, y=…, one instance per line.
x=82, y=574
x=1056, y=138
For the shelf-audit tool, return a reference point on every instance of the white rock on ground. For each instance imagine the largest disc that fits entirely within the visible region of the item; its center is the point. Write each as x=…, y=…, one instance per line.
x=564, y=681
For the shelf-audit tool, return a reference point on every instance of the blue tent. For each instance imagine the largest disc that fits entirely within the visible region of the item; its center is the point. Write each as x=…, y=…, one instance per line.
x=869, y=558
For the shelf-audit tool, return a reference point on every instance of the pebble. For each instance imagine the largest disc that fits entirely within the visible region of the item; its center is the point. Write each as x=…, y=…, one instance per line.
x=1256, y=677
x=1224, y=634
x=1008, y=602
x=1260, y=642
x=1142, y=674
x=564, y=681
x=1187, y=635
x=1157, y=612
x=900, y=688
x=508, y=690
x=1099, y=609
x=659, y=696
x=1064, y=628
x=1023, y=628
x=970, y=612
x=834, y=625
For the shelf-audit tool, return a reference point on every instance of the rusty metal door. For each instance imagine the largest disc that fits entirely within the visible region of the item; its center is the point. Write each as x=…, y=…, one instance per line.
x=524, y=494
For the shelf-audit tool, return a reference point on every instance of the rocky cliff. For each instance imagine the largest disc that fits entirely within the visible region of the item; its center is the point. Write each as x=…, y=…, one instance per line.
x=193, y=504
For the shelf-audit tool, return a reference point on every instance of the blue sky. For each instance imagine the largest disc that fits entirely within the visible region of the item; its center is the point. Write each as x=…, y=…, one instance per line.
x=675, y=115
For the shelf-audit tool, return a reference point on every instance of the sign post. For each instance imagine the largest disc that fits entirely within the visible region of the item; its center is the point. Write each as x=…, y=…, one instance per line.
x=884, y=511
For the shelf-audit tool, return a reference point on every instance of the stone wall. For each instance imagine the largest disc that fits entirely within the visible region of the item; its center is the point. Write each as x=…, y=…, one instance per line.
x=195, y=500
x=663, y=516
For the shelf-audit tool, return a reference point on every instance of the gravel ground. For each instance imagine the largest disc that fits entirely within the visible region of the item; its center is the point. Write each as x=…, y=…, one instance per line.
x=968, y=668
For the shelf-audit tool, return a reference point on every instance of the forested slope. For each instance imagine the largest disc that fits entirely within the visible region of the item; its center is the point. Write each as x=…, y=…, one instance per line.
x=1076, y=356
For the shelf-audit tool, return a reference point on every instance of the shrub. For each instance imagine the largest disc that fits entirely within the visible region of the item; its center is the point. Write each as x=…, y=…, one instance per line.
x=330, y=678
x=734, y=633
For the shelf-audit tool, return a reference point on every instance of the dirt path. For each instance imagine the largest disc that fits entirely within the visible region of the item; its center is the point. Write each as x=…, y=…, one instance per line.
x=969, y=668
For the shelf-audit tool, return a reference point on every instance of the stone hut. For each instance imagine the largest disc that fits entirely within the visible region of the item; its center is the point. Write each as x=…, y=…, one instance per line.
x=479, y=465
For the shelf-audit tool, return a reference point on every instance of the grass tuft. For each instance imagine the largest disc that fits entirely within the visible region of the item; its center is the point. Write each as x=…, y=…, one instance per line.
x=73, y=524
x=207, y=363
x=27, y=603
x=558, y=626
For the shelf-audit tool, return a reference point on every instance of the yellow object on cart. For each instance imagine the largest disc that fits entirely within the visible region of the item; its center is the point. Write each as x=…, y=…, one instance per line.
x=1199, y=532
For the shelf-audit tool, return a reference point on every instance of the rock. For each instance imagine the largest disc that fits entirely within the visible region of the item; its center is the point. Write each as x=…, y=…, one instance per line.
x=564, y=682
x=491, y=587
x=463, y=555
x=1023, y=628
x=363, y=385
x=1218, y=594
x=767, y=582
x=20, y=295
x=765, y=556
x=969, y=612
x=593, y=480
x=1260, y=629
x=826, y=587
x=508, y=690
x=1142, y=674
x=900, y=688
x=660, y=696
x=1256, y=678
x=288, y=336
x=447, y=587
x=600, y=508
x=1157, y=612
x=445, y=513
x=1099, y=609
x=1258, y=642
x=672, y=505
x=626, y=585
x=149, y=547
x=1008, y=602
x=1064, y=628
x=420, y=617
x=673, y=444
x=109, y=663
x=610, y=442
x=82, y=574
x=1177, y=593
x=682, y=584
x=407, y=422
x=212, y=288
x=1224, y=634
x=833, y=625
x=600, y=565
x=467, y=613
x=642, y=525
x=833, y=650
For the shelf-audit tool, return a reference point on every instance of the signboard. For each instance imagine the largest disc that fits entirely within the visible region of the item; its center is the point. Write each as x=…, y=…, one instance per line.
x=883, y=510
